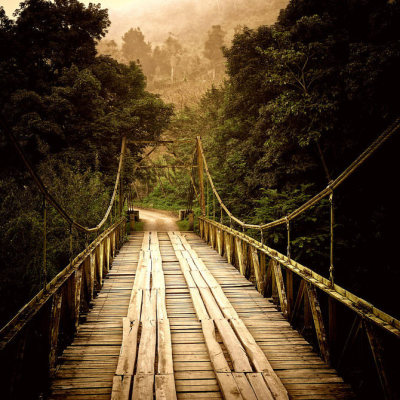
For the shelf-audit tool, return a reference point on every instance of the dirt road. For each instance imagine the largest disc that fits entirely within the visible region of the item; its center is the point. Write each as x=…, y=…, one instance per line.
x=157, y=220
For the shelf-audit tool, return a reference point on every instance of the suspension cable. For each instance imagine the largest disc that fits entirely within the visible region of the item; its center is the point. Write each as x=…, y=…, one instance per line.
x=360, y=160
x=49, y=198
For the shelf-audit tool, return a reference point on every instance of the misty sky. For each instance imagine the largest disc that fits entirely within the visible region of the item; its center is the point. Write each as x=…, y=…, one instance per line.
x=11, y=5
x=188, y=20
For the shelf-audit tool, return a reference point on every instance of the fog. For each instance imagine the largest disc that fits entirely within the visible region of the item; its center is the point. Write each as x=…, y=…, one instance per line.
x=188, y=20
x=171, y=44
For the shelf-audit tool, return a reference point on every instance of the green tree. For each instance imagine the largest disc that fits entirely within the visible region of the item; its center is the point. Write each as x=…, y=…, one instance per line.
x=68, y=108
x=213, y=48
x=135, y=48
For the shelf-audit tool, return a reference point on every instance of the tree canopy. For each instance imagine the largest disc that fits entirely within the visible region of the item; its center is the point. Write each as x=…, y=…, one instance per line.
x=68, y=108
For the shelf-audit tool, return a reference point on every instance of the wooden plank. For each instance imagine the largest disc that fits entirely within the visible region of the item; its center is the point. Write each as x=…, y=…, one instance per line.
x=259, y=386
x=224, y=304
x=165, y=387
x=161, y=307
x=147, y=348
x=211, y=304
x=229, y=388
x=198, y=304
x=135, y=305
x=256, y=355
x=127, y=357
x=260, y=361
x=165, y=361
x=318, y=322
x=244, y=386
x=214, y=349
x=235, y=349
x=149, y=305
x=121, y=387
x=143, y=387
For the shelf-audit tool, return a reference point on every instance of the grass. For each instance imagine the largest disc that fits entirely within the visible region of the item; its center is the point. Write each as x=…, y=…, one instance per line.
x=183, y=225
x=138, y=227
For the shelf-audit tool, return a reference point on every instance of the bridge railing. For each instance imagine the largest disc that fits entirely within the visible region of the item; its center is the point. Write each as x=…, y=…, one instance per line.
x=298, y=290
x=293, y=286
x=32, y=340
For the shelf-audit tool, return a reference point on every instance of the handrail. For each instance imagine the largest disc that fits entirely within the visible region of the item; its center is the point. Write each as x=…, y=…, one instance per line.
x=8, y=332
x=368, y=152
x=39, y=183
x=365, y=309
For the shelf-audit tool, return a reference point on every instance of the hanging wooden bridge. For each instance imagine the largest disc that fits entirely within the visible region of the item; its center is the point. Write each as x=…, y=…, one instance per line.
x=185, y=315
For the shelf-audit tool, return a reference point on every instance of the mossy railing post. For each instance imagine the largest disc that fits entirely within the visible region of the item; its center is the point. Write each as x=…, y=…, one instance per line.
x=201, y=177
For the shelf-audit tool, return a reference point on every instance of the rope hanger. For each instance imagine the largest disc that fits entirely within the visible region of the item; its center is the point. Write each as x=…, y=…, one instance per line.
x=47, y=195
x=360, y=160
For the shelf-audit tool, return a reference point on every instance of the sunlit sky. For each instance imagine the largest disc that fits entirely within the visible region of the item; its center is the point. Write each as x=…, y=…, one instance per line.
x=11, y=5
x=188, y=20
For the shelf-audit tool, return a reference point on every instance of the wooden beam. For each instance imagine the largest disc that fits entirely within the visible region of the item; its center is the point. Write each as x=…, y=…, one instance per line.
x=280, y=287
x=318, y=322
x=26, y=313
x=54, y=326
x=229, y=247
x=289, y=292
x=333, y=327
x=297, y=304
x=268, y=280
x=377, y=352
x=239, y=257
x=351, y=338
x=257, y=270
x=307, y=315
x=74, y=297
x=351, y=301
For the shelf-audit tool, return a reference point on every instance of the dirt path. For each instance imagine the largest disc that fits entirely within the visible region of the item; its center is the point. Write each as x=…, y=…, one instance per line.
x=157, y=220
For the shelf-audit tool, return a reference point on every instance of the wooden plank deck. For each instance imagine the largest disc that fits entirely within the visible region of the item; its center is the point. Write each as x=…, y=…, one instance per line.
x=88, y=366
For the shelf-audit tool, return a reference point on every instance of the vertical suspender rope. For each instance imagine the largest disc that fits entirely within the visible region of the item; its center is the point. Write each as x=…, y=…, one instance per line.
x=70, y=245
x=288, y=237
x=207, y=201
x=331, y=267
x=44, y=243
x=213, y=197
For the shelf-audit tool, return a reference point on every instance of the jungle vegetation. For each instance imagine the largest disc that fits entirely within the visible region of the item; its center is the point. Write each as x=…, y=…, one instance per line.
x=294, y=103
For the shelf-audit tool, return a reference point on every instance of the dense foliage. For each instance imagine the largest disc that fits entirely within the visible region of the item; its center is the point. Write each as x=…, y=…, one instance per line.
x=69, y=109
x=303, y=98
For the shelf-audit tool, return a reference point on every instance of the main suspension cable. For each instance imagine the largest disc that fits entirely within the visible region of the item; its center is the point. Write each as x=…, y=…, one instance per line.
x=47, y=195
x=360, y=160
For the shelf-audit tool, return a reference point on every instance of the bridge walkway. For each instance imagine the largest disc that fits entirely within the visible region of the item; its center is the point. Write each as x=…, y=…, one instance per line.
x=88, y=368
